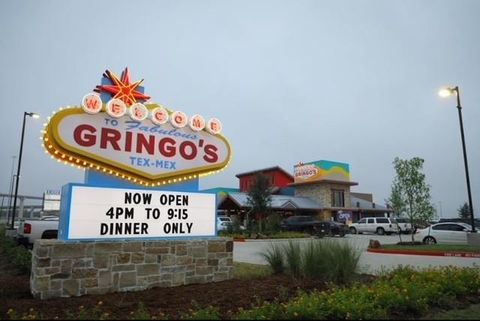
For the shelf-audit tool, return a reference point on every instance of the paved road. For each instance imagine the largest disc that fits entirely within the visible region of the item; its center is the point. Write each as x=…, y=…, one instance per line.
x=369, y=262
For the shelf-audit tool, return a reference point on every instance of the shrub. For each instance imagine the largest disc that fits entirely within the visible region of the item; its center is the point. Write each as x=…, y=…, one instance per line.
x=208, y=313
x=17, y=254
x=340, y=261
x=236, y=226
x=141, y=313
x=293, y=258
x=332, y=261
x=274, y=257
x=272, y=224
x=328, y=260
x=313, y=261
x=287, y=235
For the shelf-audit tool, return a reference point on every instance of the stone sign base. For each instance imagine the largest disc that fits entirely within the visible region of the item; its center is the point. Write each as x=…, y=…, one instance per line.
x=65, y=269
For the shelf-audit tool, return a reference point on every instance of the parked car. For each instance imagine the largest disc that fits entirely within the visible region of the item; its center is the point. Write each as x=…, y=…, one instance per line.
x=223, y=222
x=331, y=228
x=446, y=233
x=404, y=225
x=461, y=220
x=226, y=222
x=379, y=225
x=300, y=223
x=32, y=229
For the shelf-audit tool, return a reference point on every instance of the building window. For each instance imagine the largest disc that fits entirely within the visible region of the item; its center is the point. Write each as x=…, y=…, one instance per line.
x=338, y=198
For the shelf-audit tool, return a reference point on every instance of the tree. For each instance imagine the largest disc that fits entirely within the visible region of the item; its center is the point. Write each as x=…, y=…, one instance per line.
x=464, y=211
x=259, y=198
x=410, y=194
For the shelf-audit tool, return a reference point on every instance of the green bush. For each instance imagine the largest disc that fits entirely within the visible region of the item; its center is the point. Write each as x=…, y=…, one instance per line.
x=313, y=261
x=17, y=254
x=340, y=261
x=234, y=228
x=272, y=224
x=274, y=257
x=293, y=258
x=141, y=313
x=208, y=313
x=327, y=260
x=287, y=235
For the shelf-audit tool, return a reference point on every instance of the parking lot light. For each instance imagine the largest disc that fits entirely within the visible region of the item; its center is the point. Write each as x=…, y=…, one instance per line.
x=445, y=92
x=25, y=114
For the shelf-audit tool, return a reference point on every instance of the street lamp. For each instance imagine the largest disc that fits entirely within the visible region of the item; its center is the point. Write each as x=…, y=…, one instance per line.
x=12, y=179
x=25, y=114
x=445, y=92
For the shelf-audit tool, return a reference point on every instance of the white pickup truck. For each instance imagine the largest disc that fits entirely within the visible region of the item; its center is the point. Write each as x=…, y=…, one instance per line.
x=32, y=229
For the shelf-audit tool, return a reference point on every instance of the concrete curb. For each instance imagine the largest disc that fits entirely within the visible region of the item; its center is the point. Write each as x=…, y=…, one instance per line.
x=428, y=253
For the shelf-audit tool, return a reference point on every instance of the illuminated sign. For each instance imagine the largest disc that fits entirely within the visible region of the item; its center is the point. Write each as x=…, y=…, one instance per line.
x=115, y=213
x=143, y=143
x=321, y=170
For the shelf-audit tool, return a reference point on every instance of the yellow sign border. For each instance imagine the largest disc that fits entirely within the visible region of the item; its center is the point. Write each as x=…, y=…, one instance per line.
x=68, y=154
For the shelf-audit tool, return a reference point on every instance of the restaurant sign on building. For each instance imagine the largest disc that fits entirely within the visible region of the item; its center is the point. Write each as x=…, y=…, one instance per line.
x=321, y=170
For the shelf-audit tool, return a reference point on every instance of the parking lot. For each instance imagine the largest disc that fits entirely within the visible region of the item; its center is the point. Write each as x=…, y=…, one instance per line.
x=371, y=263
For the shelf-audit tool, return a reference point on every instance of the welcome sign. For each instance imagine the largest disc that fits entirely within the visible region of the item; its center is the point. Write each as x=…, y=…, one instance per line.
x=118, y=132
x=145, y=144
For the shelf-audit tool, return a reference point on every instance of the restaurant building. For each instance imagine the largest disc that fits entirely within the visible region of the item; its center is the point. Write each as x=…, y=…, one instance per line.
x=320, y=188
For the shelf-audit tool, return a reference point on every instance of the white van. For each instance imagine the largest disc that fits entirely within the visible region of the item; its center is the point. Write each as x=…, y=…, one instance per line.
x=378, y=225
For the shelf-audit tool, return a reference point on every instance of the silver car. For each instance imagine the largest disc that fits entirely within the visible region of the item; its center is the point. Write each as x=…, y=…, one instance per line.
x=445, y=233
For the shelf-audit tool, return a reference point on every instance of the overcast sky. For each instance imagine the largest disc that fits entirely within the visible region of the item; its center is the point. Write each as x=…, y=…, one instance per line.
x=350, y=81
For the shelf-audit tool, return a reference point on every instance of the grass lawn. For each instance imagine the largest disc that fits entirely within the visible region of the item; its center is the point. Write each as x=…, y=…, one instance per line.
x=434, y=247
x=244, y=271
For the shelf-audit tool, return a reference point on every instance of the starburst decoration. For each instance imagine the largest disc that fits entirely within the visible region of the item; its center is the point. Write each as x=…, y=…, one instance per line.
x=122, y=88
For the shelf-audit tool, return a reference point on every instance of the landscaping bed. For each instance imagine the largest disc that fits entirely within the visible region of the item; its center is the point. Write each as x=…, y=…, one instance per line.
x=175, y=302
x=298, y=291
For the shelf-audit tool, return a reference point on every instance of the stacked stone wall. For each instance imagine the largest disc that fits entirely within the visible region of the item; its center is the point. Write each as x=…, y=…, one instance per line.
x=65, y=269
x=322, y=193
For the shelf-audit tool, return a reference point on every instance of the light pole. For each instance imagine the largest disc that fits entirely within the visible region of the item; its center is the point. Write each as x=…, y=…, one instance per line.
x=445, y=92
x=25, y=114
x=11, y=190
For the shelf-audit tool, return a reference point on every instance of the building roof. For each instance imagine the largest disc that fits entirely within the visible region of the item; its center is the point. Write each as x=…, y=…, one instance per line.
x=221, y=190
x=366, y=205
x=268, y=169
x=279, y=201
x=364, y=196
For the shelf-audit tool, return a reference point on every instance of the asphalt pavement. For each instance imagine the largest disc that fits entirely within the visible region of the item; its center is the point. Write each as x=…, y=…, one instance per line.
x=371, y=263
